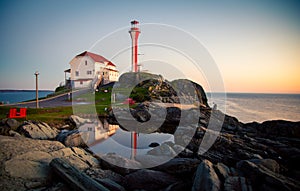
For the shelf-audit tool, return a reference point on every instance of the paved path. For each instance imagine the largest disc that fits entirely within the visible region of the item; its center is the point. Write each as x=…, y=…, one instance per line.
x=56, y=101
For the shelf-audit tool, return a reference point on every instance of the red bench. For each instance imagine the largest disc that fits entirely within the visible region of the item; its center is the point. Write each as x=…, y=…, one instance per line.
x=129, y=101
x=14, y=114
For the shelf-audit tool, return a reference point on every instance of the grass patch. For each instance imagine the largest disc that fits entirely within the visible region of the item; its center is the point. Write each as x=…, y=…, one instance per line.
x=49, y=115
x=58, y=115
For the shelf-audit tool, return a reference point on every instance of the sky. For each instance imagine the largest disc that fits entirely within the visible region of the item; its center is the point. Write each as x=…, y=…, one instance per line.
x=254, y=44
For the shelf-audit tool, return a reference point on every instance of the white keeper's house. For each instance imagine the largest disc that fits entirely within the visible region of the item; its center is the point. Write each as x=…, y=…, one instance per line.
x=90, y=70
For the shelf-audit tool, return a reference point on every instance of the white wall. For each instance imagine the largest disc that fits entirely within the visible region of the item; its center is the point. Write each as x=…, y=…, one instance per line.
x=78, y=64
x=84, y=84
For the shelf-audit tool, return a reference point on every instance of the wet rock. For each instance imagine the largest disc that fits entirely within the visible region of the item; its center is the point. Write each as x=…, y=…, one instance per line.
x=149, y=180
x=206, y=178
x=222, y=171
x=275, y=128
x=268, y=163
x=179, y=166
x=231, y=124
x=119, y=164
x=262, y=178
x=235, y=183
x=37, y=130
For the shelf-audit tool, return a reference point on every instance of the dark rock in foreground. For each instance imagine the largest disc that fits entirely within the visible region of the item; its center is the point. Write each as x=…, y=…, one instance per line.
x=243, y=157
x=149, y=180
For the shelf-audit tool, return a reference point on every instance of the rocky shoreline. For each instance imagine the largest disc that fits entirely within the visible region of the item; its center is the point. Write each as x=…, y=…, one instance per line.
x=252, y=156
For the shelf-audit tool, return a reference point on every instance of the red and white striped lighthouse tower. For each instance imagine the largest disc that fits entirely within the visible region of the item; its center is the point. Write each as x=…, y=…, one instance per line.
x=134, y=33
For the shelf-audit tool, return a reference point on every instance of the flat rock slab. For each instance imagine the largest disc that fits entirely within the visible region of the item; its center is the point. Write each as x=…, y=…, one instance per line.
x=25, y=160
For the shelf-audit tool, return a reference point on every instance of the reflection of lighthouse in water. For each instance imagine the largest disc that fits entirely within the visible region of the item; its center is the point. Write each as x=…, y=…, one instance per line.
x=135, y=67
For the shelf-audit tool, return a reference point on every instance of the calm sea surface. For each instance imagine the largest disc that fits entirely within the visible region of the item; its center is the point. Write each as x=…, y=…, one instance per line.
x=19, y=96
x=248, y=107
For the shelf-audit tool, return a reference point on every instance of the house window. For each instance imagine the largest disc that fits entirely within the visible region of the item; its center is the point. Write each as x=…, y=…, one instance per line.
x=89, y=72
x=77, y=73
x=81, y=82
x=86, y=62
x=103, y=73
x=90, y=129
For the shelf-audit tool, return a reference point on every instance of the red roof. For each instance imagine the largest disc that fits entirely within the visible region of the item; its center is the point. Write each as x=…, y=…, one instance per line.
x=110, y=64
x=95, y=57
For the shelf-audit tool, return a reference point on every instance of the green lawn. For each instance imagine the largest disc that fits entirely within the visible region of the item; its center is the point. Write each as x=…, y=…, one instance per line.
x=49, y=115
x=60, y=114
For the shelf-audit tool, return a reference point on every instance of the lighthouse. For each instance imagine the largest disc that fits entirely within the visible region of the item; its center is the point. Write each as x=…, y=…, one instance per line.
x=134, y=34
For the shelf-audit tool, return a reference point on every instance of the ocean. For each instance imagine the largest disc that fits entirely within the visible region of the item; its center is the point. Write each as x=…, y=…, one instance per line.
x=246, y=107
x=14, y=96
x=249, y=107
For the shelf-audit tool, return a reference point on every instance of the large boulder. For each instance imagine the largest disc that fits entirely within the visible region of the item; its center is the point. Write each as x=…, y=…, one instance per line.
x=155, y=87
x=71, y=138
x=206, y=178
x=7, y=126
x=25, y=162
x=37, y=130
x=11, y=123
x=222, y=171
x=186, y=87
x=262, y=178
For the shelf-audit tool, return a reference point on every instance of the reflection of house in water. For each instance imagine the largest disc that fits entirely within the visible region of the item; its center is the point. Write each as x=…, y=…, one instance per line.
x=92, y=133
